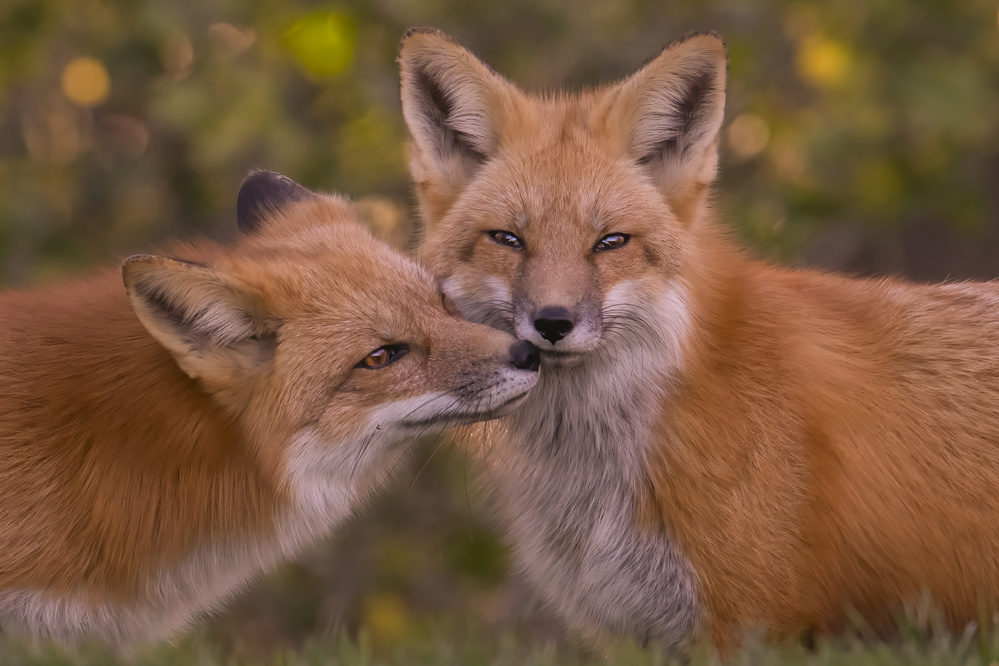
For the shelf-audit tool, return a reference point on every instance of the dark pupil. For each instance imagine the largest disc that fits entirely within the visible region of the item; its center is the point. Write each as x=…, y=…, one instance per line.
x=377, y=358
x=612, y=242
x=508, y=239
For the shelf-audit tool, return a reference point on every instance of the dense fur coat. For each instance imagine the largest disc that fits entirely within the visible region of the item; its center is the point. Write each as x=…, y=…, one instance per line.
x=160, y=448
x=714, y=443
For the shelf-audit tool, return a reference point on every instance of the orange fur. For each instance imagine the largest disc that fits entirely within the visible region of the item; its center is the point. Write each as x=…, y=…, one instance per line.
x=151, y=465
x=816, y=444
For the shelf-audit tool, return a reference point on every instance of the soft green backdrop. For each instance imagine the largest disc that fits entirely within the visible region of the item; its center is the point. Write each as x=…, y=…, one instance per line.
x=860, y=136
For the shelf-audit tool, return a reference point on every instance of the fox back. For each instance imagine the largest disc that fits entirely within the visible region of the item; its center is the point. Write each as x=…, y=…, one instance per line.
x=163, y=442
x=715, y=443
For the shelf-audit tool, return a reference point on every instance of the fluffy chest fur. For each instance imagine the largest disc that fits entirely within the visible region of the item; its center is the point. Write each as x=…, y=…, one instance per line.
x=568, y=470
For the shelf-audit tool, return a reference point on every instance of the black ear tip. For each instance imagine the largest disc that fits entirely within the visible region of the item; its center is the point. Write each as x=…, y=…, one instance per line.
x=249, y=196
x=262, y=193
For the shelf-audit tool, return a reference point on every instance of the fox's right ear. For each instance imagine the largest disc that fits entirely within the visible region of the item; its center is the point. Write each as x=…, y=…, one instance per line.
x=671, y=112
x=264, y=194
x=455, y=107
x=210, y=323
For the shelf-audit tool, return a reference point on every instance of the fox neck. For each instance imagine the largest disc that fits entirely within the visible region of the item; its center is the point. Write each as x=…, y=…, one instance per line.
x=571, y=470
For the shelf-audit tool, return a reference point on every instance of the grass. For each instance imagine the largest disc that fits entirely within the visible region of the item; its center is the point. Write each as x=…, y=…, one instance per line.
x=917, y=649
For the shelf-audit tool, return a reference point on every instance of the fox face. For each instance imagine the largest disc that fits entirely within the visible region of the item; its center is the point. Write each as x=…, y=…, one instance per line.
x=578, y=222
x=309, y=354
x=317, y=325
x=560, y=218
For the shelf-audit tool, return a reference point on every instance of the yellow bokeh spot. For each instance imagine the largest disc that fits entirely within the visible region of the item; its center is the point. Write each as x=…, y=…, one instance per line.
x=322, y=42
x=748, y=135
x=86, y=82
x=386, y=617
x=823, y=62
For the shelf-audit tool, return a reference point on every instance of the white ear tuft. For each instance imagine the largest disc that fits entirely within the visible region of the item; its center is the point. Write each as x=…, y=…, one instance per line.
x=454, y=106
x=675, y=106
x=210, y=323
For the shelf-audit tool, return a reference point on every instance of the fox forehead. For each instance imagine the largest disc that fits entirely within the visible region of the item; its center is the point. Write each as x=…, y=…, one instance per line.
x=330, y=267
x=338, y=288
x=563, y=195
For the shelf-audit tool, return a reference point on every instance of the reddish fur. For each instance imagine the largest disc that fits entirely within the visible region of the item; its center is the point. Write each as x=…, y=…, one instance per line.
x=116, y=467
x=826, y=433
x=96, y=415
x=828, y=443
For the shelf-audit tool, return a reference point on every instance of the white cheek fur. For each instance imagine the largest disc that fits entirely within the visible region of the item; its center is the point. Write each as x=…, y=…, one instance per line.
x=477, y=298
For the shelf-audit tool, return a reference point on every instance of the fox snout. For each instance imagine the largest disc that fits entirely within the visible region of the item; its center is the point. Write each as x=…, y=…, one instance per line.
x=561, y=333
x=525, y=356
x=553, y=323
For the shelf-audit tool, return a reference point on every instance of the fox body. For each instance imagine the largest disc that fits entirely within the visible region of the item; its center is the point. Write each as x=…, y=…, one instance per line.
x=714, y=443
x=159, y=449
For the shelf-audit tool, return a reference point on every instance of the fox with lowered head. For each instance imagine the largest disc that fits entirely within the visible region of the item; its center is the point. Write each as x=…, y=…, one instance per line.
x=172, y=430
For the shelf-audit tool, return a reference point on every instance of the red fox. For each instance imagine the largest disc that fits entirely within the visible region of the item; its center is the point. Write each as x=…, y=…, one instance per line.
x=163, y=443
x=714, y=442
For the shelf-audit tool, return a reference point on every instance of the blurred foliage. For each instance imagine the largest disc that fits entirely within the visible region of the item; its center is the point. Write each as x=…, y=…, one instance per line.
x=861, y=136
x=920, y=647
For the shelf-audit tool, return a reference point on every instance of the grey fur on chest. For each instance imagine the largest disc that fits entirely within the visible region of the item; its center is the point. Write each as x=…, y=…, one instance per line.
x=565, y=471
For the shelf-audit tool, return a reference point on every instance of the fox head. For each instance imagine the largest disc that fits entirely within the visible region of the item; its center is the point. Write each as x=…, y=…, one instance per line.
x=308, y=324
x=565, y=219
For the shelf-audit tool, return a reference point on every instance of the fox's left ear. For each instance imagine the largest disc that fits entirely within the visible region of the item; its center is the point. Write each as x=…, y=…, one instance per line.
x=672, y=110
x=456, y=108
x=211, y=323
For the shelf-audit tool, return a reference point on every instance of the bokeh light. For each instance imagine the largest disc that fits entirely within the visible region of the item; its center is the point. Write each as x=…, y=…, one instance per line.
x=823, y=61
x=86, y=82
x=322, y=42
x=748, y=135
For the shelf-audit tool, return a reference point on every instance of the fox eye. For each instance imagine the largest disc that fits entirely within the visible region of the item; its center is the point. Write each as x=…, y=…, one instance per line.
x=506, y=238
x=383, y=356
x=611, y=242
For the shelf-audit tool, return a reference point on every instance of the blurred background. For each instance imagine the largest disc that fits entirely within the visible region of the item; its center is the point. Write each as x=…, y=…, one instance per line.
x=860, y=136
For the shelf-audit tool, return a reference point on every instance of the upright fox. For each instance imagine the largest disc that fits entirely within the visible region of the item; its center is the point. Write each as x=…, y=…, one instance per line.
x=714, y=442
x=159, y=449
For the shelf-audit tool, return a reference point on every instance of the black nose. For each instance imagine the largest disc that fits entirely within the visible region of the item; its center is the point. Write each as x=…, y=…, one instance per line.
x=553, y=323
x=525, y=356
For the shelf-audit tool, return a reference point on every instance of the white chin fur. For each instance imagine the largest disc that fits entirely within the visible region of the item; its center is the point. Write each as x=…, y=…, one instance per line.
x=561, y=360
x=434, y=411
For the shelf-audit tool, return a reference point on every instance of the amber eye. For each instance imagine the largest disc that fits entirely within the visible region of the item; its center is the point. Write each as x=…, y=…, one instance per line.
x=506, y=238
x=382, y=356
x=611, y=242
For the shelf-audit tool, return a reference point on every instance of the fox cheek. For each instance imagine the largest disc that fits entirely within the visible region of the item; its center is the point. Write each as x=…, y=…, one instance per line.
x=482, y=299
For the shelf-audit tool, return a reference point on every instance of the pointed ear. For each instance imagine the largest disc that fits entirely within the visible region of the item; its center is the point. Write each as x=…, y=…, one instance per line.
x=211, y=324
x=673, y=109
x=262, y=195
x=455, y=107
